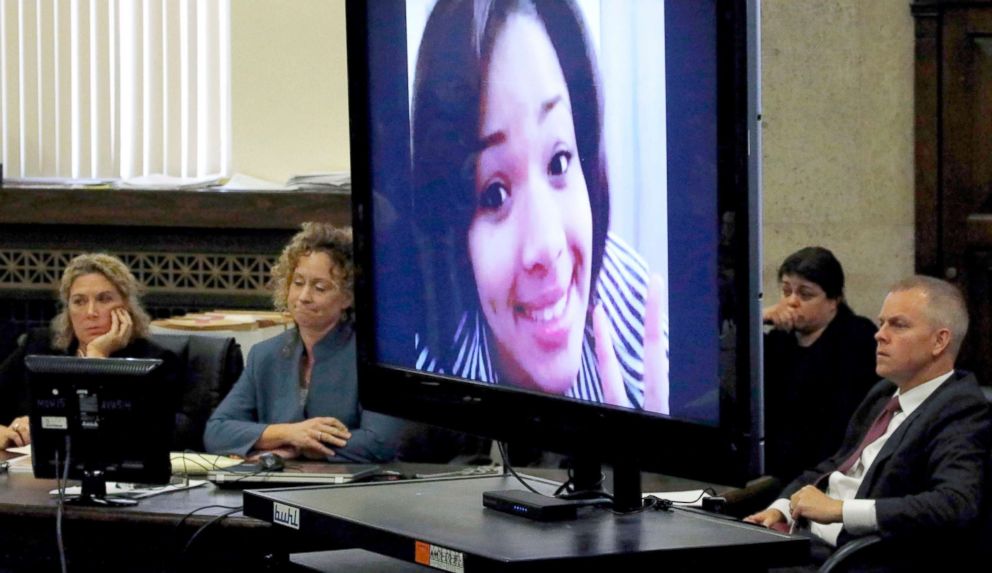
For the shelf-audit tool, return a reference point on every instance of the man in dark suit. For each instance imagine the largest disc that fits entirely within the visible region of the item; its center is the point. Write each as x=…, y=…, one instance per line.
x=913, y=462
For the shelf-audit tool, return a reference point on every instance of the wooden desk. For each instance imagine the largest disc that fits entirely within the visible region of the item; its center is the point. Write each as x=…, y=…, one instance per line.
x=146, y=537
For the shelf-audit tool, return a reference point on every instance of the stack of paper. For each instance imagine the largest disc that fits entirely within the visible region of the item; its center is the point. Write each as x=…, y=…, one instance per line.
x=168, y=182
x=338, y=182
x=242, y=182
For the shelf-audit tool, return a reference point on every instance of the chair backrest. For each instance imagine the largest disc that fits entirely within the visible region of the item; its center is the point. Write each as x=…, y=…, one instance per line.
x=212, y=366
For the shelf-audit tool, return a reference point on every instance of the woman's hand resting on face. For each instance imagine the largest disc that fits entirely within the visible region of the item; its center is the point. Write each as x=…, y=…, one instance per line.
x=114, y=339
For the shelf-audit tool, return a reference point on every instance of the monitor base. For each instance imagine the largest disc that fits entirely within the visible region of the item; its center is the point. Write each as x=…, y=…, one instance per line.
x=94, y=493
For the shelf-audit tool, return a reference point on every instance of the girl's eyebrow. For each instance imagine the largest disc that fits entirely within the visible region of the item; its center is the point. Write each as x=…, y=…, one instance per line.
x=492, y=139
x=547, y=106
x=499, y=136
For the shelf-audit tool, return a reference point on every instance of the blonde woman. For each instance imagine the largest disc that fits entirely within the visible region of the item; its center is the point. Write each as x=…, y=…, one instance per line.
x=101, y=317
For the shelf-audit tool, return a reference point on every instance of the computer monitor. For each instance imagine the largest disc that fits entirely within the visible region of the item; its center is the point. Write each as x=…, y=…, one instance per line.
x=556, y=222
x=105, y=419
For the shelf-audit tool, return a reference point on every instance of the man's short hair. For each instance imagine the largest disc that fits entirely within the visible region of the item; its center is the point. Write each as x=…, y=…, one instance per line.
x=945, y=306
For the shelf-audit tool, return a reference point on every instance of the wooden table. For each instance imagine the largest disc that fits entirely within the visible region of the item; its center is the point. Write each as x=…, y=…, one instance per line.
x=148, y=537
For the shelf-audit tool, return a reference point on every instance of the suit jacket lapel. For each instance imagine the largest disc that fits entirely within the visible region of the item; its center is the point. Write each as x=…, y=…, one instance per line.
x=913, y=423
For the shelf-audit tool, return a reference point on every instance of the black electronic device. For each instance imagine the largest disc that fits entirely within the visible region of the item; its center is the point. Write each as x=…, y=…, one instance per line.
x=100, y=420
x=534, y=505
x=271, y=462
x=480, y=278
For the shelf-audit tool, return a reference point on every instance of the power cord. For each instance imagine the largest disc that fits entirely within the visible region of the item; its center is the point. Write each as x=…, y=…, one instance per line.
x=204, y=527
x=663, y=504
x=179, y=525
x=509, y=468
x=566, y=491
x=60, y=485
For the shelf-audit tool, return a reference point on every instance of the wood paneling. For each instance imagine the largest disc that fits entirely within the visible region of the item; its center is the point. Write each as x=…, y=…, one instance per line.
x=190, y=209
x=953, y=155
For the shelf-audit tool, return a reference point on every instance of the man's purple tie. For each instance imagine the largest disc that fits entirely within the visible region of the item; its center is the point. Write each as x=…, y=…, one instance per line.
x=876, y=431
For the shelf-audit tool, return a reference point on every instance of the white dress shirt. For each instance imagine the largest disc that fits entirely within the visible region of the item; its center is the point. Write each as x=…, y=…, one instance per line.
x=859, y=517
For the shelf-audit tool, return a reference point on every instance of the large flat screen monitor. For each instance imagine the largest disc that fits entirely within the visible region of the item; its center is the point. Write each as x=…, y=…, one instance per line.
x=100, y=420
x=556, y=214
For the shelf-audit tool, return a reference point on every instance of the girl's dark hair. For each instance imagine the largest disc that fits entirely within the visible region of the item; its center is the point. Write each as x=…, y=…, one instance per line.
x=447, y=92
x=817, y=265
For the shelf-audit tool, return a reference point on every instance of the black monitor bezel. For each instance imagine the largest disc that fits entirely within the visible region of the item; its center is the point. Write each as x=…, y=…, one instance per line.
x=146, y=444
x=726, y=453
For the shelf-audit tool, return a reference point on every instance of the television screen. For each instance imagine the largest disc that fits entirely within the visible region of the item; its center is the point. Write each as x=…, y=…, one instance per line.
x=109, y=419
x=556, y=224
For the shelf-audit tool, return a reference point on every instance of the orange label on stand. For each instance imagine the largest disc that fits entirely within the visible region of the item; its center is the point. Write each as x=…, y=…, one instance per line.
x=422, y=553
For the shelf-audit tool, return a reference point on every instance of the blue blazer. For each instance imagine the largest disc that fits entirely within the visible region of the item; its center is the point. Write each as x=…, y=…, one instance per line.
x=268, y=392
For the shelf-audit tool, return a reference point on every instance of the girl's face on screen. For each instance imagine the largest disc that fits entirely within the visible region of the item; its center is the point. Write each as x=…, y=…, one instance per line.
x=530, y=240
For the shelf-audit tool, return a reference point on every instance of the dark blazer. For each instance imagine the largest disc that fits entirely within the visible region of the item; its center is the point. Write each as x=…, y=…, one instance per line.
x=15, y=399
x=928, y=479
x=830, y=378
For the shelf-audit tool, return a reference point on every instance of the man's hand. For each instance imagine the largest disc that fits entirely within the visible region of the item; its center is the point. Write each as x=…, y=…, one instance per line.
x=767, y=518
x=114, y=339
x=814, y=505
x=781, y=316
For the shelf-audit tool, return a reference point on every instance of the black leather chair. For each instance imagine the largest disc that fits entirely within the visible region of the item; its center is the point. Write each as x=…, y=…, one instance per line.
x=212, y=366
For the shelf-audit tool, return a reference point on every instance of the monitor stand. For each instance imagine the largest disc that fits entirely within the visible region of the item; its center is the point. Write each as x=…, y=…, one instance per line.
x=94, y=492
x=587, y=489
x=587, y=475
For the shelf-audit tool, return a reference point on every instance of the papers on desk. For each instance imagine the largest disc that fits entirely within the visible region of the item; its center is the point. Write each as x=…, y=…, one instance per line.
x=20, y=464
x=242, y=182
x=55, y=182
x=688, y=498
x=337, y=182
x=168, y=183
x=228, y=320
x=124, y=490
x=197, y=464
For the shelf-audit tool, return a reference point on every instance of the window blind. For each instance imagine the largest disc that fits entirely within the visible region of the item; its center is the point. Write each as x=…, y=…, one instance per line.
x=113, y=89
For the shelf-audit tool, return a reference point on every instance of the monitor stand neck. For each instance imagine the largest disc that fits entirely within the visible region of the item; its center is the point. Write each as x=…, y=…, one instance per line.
x=587, y=476
x=94, y=492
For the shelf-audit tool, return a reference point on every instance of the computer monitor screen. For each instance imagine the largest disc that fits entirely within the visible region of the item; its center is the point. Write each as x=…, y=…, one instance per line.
x=556, y=223
x=111, y=417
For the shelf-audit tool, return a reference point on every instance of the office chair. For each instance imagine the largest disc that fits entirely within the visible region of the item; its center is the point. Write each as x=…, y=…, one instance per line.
x=209, y=367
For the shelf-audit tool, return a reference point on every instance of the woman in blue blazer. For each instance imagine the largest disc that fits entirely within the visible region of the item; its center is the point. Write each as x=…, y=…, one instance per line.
x=298, y=394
